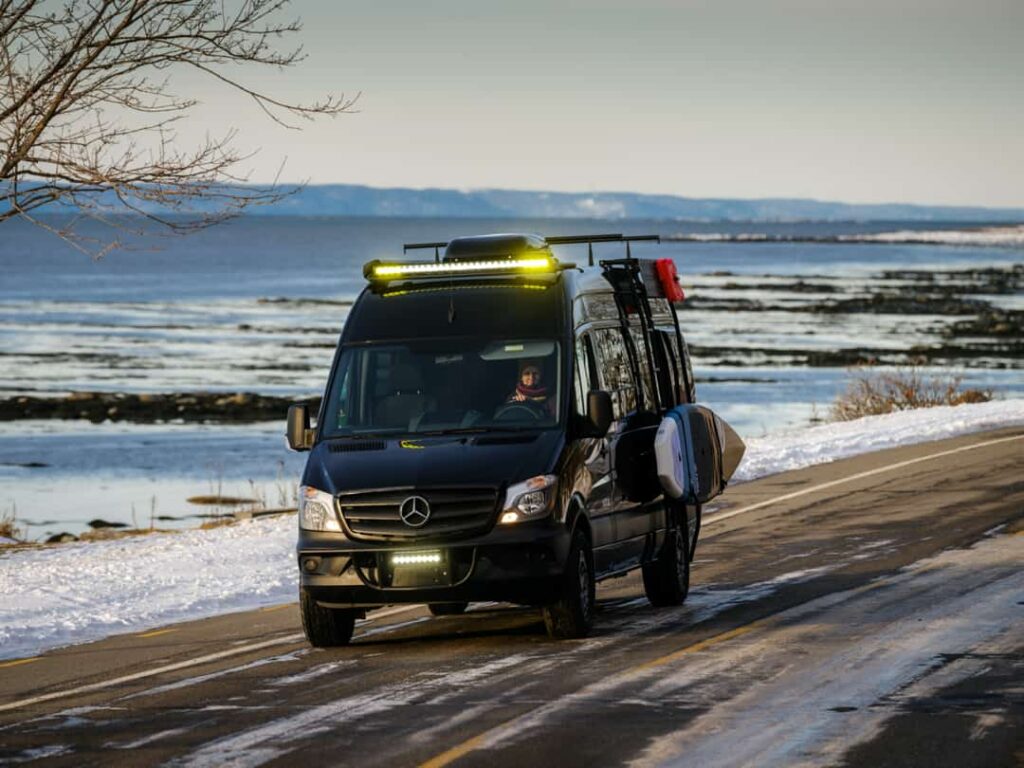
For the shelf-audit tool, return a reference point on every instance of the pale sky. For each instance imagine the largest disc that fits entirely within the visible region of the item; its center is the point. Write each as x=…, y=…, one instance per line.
x=868, y=101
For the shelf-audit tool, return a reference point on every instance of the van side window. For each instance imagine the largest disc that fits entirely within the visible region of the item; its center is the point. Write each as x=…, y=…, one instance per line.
x=586, y=373
x=341, y=416
x=645, y=370
x=613, y=367
x=687, y=372
x=671, y=373
x=682, y=371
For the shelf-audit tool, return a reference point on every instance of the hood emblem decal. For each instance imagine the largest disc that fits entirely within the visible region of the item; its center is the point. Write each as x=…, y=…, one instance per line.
x=414, y=511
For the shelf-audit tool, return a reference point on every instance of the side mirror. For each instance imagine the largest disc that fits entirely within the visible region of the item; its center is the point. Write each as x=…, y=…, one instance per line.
x=300, y=436
x=599, y=413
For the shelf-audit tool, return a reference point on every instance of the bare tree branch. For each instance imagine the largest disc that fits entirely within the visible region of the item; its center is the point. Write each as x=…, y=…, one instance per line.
x=86, y=107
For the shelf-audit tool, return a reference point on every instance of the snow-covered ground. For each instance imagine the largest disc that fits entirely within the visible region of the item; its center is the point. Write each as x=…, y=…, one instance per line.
x=75, y=593
x=796, y=448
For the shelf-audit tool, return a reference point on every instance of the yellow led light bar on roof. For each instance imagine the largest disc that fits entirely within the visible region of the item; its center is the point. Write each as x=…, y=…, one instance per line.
x=385, y=271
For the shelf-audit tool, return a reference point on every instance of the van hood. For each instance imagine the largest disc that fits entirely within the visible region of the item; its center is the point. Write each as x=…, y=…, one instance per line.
x=493, y=460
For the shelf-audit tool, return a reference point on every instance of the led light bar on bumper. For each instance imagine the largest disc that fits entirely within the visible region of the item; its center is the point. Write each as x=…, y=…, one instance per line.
x=380, y=271
x=416, y=558
x=316, y=510
x=529, y=500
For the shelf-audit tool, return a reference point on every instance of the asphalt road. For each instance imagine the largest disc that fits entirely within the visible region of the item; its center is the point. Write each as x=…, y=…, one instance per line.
x=868, y=612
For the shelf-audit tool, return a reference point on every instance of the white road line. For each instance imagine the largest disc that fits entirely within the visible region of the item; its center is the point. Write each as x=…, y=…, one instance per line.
x=151, y=672
x=718, y=517
x=715, y=518
x=294, y=638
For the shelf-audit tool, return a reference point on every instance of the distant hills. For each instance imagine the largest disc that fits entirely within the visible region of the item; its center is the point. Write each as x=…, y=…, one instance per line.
x=354, y=200
x=357, y=200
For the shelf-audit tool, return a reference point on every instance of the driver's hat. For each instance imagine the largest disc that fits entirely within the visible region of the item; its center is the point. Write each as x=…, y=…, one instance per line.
x=526, y=365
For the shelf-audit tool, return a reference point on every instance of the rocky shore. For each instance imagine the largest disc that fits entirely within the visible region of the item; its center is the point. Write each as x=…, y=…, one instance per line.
x=192, y=407
x=968, y=330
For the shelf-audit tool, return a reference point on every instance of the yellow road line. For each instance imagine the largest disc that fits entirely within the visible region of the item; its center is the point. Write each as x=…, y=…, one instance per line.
x=459, y=750
x=469, y=745
x=157, y=632
x=449, y=756
x=270, y=608
x=18, y=662
x=696, y=647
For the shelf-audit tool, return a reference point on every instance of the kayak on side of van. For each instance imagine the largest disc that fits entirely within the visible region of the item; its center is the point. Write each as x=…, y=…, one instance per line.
x=490, y=432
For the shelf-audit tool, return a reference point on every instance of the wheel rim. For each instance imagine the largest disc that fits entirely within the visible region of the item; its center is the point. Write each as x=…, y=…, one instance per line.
x=583, y=573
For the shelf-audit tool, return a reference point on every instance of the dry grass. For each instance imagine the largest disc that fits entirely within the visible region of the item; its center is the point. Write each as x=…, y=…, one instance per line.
x=871, y=392
x=8, y=526
x=220, y=501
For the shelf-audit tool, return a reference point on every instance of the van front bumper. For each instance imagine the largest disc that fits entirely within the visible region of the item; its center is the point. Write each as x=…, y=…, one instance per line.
x=517, y=564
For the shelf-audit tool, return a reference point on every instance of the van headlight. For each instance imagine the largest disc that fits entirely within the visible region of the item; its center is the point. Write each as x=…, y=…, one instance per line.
x=529, y=500
x=316, y=510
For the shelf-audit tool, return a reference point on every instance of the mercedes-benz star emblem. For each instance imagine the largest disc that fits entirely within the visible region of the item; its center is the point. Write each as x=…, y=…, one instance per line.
x=414, y=511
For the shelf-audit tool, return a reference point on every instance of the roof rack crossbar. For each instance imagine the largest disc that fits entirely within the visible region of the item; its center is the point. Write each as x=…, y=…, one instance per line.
x=601, y=238
x=415, y=246
x=616, y=237
x=574, y=239
x=436, y=246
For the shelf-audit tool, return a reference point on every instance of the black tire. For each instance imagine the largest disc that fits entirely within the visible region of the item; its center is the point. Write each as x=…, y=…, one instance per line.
x=447, y=609
x=572, y=614
x=325, y=627
x=695, y=532
x=667, y=579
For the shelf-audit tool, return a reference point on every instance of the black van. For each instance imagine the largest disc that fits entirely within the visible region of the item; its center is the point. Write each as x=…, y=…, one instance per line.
x=487, y=435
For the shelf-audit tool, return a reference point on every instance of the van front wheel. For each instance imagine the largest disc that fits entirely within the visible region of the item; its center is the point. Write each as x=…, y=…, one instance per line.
x=572, y=615
x=325, y=627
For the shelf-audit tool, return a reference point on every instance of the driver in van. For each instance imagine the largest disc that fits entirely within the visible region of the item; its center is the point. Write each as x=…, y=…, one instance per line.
x=529, y=388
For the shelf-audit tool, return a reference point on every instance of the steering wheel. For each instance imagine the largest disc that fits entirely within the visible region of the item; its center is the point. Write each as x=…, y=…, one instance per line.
x=514, y=411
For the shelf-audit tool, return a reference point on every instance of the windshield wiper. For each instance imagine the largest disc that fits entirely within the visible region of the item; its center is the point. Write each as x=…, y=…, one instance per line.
x=474, y=430
x=365, y=436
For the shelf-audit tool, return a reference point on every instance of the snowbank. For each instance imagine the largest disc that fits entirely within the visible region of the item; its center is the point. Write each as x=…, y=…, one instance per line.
x=807, y=446
x=75, y=593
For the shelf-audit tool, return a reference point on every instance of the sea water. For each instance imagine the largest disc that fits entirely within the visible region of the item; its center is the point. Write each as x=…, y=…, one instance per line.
x=257, y=304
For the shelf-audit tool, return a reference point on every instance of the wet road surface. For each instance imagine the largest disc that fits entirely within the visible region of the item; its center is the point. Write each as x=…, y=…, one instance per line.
x=868, y=612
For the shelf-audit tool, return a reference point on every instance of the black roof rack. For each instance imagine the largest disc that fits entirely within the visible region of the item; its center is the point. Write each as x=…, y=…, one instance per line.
x=603, y=237
x=414, y=246
x=612, y=238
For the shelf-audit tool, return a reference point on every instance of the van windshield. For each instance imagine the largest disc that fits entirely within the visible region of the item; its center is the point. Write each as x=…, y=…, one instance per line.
x=449, y=385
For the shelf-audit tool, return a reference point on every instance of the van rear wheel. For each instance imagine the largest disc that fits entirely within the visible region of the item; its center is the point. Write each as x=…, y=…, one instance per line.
x=325, y=627
x=447, y=609
x=572, y=615
x=667, y=579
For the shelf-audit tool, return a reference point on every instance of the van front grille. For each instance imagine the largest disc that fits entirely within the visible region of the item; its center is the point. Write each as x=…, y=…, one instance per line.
x=454, y=512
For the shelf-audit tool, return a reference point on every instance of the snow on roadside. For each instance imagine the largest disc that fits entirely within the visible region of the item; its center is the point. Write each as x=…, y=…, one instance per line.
x=804, y=447
x=76, y=593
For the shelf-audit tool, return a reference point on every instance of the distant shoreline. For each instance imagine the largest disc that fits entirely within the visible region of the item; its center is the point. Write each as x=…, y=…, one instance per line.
x=360, y=200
